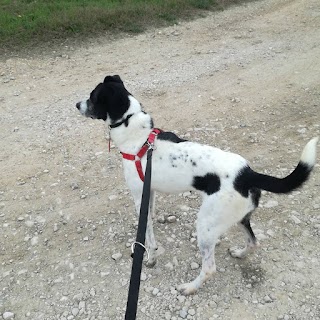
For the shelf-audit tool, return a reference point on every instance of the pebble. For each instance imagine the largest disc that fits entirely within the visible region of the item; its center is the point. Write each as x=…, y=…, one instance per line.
x=74, y=186
x=271, y=204
x=183, y=314
x=295, y=219
x=143, y=276
x=192, y=312
x=117, y=256
x=155, y=291
x=267, y=299
x=82, y=305
x=8, y=315
x=34, y=240
x=169, y=266
x=194, y=266
x=270, y=233
x=172, y=219
x=93, y=291
x=161, y=219
x=75, y=311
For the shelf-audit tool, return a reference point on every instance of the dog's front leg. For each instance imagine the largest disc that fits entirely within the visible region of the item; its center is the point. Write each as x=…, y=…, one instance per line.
x=150, y=238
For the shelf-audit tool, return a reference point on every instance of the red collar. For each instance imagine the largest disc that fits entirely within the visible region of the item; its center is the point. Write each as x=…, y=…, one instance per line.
x=137, y=158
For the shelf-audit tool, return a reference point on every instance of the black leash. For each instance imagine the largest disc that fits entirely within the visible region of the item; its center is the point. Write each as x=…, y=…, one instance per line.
x=139, y=247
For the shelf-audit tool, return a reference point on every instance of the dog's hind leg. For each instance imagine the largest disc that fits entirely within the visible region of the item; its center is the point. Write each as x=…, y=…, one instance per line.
x=207, y=270
x=209, y=230
x=252, y=242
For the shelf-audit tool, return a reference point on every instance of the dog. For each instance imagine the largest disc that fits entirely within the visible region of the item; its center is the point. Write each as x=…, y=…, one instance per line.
x=230, y=188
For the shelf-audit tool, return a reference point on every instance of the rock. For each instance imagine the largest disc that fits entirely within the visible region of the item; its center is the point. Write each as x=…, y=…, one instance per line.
x=117, y=256
x=74, y=186
x=161, y=219
x=271, y=204
x=169, y=266
x=143, y=276
x=34, y=240
x=267, y=299
x=155, y=291
x=302, y=130
x=183, y=314
x=93, y=291
x=172, y=219
x=82, y=305
x=295, y=219
x=194, y=266
x=270, y=233
x=8, y=315
x=175, y=261
x=192, y=312
x=75, y=311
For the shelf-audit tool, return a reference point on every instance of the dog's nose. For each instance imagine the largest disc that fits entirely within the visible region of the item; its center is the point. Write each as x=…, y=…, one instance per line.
x=78, y=105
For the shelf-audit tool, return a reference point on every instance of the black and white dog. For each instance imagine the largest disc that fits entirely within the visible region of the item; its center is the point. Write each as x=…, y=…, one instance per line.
x=230, y=188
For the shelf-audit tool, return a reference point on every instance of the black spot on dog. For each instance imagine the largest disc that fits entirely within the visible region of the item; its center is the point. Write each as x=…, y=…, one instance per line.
x=210, y=183
x=172, y=157
x=170, y=136
x=241, y=182
x=151, y=123
x=194, y=164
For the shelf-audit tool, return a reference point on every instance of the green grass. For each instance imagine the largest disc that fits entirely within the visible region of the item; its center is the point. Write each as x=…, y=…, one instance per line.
x=24, y=22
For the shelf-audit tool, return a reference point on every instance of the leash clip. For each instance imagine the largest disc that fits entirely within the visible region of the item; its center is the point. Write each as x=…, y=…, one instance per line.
x=151, y=146
x=143, y=246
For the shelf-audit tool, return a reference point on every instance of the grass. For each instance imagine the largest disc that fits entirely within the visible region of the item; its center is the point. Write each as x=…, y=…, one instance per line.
x=26, y=22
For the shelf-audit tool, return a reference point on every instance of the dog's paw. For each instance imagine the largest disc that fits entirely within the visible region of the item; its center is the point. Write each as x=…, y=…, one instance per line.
x=151, y=262
x=187, y=288
x=237, y=252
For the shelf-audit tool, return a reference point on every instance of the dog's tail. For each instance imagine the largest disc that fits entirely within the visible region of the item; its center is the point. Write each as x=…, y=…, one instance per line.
x=294, y=180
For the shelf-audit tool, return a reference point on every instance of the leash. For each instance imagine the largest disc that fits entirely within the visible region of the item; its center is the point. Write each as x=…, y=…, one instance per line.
x=138, y=246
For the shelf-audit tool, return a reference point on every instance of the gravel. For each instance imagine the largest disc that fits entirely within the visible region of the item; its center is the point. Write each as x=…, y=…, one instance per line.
x=245, y=80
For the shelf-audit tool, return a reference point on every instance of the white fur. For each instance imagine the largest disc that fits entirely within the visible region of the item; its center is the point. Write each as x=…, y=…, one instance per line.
x=309, y=153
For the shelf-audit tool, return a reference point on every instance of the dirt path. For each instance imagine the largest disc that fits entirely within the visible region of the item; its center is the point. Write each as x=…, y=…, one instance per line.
x=247, y=80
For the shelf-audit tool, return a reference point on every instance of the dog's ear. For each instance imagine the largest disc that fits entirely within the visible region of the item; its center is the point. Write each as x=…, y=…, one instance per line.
x=114, y=78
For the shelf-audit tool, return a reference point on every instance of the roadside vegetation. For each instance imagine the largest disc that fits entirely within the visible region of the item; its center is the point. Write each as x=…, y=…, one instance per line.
x=28, y=22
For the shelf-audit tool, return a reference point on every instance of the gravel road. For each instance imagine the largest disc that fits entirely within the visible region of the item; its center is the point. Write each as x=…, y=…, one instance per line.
x=246, y=79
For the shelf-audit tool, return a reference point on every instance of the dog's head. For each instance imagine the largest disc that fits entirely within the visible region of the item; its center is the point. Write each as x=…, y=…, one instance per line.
x=109, y=100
